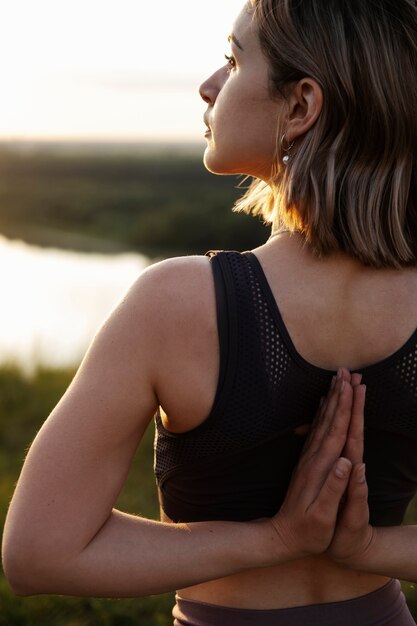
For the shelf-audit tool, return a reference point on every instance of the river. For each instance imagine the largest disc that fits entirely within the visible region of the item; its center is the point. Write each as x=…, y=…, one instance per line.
x=53, y=301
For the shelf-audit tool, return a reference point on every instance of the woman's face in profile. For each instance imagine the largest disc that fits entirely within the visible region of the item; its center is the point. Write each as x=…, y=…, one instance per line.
x=241, y=117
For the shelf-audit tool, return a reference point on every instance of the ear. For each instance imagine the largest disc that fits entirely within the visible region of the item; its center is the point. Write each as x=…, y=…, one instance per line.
x=305, y=105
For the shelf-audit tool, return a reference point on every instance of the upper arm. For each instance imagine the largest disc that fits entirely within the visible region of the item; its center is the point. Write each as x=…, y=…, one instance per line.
x=80, y=458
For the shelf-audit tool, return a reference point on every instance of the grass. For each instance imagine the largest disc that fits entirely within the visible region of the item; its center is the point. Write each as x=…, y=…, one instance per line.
x=25, y=401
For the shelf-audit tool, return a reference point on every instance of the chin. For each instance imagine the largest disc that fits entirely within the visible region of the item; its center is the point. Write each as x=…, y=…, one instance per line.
x=217, y=165
x=232, y=164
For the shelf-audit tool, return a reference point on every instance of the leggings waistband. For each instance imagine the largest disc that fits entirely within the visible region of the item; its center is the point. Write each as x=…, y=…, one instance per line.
x=384, y=607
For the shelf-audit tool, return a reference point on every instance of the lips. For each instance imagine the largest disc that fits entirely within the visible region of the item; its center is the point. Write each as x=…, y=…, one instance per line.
x=206, y=122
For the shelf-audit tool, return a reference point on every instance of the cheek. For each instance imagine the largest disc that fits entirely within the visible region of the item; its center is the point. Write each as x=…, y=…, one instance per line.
x=243, y=150
x=228, y=105
x=251, y=111
x=244, y=133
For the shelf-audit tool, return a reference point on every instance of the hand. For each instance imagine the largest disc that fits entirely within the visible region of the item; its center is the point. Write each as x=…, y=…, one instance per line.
x=353, y=534
x=307, y=519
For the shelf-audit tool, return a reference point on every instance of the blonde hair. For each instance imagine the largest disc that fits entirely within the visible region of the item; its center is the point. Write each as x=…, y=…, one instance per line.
x=351, y=183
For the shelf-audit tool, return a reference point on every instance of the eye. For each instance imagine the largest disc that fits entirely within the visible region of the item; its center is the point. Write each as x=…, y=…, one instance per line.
x=231, y=61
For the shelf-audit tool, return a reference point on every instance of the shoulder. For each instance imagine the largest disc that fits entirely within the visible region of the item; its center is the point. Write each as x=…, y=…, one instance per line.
x=177, y=272
x=180, y=283
x=180, y=324
x=163, y=319
x=169, y=301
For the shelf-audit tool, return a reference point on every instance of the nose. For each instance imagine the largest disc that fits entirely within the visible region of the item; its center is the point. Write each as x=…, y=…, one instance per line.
x=209, y=90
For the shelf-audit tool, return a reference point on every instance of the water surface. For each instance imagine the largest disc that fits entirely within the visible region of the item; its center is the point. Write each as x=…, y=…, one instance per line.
x=53, y=301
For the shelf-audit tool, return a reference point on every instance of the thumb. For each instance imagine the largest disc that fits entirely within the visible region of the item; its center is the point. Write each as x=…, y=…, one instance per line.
x=356, y=512
x=334, y=487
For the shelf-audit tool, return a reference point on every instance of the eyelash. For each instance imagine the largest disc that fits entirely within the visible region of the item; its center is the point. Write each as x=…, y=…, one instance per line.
x=231, y=61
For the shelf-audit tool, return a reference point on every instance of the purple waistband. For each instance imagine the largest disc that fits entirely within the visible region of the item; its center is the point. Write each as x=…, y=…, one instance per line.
x=384, y=607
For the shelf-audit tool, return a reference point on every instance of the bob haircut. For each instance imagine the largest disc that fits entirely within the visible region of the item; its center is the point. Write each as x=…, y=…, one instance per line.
x=351, y=181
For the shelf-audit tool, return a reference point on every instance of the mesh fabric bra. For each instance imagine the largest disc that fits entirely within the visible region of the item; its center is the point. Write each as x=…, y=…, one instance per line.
x=237, y=464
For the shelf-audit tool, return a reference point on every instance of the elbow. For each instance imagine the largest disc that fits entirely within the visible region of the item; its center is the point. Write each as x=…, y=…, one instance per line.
x=17, y=578
x=22, y=570
x=19, y=589
x=19, y=559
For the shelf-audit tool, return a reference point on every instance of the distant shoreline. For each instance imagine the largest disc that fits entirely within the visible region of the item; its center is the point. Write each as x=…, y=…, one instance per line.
x=106, y=146
x=55, y=238
x=156, y=199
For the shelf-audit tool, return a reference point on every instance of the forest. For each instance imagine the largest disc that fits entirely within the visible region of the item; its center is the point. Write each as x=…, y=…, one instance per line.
x=160, y=201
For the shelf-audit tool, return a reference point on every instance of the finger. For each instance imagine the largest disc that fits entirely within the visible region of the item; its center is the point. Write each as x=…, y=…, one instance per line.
x=322, y=404
x=329, y=497
x=355, y=513
x=354, y=442
x=356, y=379
x=324, y=400
x=327, y=411
x=333, y=431
x=317, y=419
x=345, y=374
x=342, y=374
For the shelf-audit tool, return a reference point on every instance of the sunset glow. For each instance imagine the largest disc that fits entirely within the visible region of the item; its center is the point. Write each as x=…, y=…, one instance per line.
x=126, y=70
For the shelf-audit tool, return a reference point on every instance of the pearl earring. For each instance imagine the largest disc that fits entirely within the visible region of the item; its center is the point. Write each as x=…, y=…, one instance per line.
x=287, y=157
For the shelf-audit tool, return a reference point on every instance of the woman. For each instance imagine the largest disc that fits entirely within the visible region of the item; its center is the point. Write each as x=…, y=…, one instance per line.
x=311, y=103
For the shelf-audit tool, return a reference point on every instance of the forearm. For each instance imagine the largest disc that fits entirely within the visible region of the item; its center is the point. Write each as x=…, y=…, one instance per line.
x=392, y=552
x=60, y=538
x=132, y=556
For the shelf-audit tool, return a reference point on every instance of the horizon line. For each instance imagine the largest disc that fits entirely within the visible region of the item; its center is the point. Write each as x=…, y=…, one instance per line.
x=94, y=139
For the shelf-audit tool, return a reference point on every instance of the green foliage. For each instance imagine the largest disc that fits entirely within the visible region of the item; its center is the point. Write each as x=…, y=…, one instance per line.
x=151, y=202
x=25, y=402
x=64, y=611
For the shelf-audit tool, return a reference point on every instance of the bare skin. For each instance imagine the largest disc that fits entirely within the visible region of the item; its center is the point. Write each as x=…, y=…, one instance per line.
x=160, y=346
x=342, y=297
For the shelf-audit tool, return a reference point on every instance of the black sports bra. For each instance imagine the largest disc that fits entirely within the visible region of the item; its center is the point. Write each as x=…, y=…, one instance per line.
x=237, y=464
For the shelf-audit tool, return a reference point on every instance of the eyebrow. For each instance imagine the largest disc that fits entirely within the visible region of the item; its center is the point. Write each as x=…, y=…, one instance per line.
x=235, y=41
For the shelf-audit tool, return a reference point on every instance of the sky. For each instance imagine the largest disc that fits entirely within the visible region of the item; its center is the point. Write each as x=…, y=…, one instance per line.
x=106, y=70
